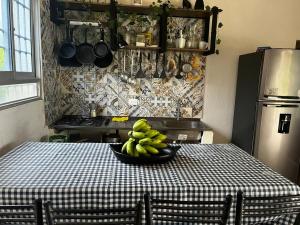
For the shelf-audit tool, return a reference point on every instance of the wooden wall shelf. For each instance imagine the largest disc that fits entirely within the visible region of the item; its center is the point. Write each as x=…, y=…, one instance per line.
x=187, y=50
x=190, y=13
x=141, y=10
x=58, y=8
x=148, y=48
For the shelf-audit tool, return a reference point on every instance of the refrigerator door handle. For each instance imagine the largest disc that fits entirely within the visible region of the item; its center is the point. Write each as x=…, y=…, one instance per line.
x=281, y=97
x=281, y=106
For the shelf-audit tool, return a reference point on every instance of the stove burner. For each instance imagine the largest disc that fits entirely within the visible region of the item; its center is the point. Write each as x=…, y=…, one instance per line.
x=69, y=121
x=86, y=122
x=77, y=121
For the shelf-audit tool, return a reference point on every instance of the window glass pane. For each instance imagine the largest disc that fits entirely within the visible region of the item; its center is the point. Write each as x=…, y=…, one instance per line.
x=27, y=3
x=27, y=24
x=23, y=62
x=29, y=62
x=18, y=61
x=11, y=93
x=22, y=33
x=5, y=45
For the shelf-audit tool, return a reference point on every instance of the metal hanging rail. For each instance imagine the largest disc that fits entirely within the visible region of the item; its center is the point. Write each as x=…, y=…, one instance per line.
x=82, y=23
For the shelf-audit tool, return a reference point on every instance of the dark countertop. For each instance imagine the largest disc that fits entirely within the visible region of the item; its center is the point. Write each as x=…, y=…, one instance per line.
x=102, y=123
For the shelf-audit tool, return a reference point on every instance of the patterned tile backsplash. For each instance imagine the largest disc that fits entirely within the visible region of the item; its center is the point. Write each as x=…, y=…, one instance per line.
x=72, y=90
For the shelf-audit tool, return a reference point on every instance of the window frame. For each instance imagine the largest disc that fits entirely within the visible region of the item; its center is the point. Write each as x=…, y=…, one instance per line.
x=14, y=77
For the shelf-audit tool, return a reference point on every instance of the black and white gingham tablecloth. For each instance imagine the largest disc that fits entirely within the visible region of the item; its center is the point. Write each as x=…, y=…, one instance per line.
x=88, y=175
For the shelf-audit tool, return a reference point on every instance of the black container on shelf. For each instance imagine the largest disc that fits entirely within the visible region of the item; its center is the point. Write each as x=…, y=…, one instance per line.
x=199, y=5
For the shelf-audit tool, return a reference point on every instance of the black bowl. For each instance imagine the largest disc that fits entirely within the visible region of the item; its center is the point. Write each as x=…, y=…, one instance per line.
x=165, y=155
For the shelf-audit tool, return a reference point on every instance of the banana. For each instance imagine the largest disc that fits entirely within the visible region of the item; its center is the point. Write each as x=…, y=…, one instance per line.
x=143, y=120
x=138, y=125
x=145, y=141
x=141, y=149
x=138, y=135
x=130, y=147
x=151, y=149
x=160, y=137
x=124, y=147
x=155, y=142
x=152, y=133
x=141, y=125
x=146, y=128
x=130, y=133
x=159, y=145
x=135, y=153
x=131, y=139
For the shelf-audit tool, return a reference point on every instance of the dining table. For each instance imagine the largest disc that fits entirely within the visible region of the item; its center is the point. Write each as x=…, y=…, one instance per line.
x=88, y=175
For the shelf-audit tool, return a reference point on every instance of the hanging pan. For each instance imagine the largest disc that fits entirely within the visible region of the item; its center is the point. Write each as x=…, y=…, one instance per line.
x=67, y=49
x=85, y=52
x=104, y=62
x=101, y=49
x=104, y=56
x=69, y=62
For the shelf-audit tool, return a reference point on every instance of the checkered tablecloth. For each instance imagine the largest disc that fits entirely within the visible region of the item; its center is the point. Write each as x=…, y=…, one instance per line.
x=88, y=175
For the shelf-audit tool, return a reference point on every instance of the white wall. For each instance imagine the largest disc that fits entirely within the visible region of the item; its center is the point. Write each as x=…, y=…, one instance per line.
x=247, y=24
x=21, y=123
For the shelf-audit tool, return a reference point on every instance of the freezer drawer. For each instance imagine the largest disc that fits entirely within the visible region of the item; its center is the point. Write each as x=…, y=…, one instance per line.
x=281, y=74
x=277, y=142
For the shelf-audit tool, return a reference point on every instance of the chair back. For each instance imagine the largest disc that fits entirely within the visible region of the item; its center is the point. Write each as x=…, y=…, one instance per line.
x=262, y=209
x=159, y=211
x=22, y=214
x=79, y=216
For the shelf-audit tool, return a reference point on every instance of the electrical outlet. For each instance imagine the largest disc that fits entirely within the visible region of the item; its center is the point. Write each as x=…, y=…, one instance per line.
x=133, y=101
x=182, y=137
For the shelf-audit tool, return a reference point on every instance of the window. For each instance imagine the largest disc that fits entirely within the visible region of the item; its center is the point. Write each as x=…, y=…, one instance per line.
x=18, y=71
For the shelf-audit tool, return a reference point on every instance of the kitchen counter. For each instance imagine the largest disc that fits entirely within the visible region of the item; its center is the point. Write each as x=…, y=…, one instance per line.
x=102, y=123
x=89, y=175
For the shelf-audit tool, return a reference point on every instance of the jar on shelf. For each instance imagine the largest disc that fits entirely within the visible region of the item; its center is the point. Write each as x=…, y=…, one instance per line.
x=128, y=37
x=131, y=36
x=194, y=37
x=170, y=41
x=140, y=40
x=180, y=41
x=137, y=2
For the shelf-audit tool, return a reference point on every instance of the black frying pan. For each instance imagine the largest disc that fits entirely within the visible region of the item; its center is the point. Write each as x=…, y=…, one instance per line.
x=104, y=56
x=85, y=52
x=101, y=49
x=69, y=62
x=67, y=49
x=104, y=62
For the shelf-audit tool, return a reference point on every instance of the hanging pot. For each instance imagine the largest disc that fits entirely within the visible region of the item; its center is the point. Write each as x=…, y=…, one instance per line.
x=67, y=49
x=85, y=52
x=104, y=56
x=69, y=62
x=101, y=49
x=199, y=5
x=104, y=62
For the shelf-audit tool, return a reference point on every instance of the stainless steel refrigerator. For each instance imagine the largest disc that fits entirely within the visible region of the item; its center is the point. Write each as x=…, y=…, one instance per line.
x=267, y=109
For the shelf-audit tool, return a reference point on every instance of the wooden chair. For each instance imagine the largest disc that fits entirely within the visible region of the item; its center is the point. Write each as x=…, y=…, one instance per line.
x=79, y=216
x=22, y=214
x=266, y=208
x=159, y=211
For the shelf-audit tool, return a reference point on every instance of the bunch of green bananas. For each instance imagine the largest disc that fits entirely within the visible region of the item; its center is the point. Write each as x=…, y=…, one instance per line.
x=143, y=141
